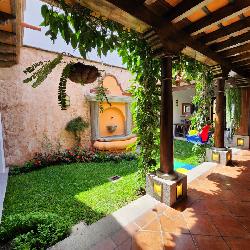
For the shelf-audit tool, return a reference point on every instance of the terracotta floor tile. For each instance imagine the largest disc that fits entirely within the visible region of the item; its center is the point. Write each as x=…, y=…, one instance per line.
x=228, y=195
x=237, y=243
x=143, y=240
x=201, y=224
x=106, y=244
x=229, y=226
x=199, y=207
x=175, y=225
x=178, y=242
x=153, y=226
x=210, y=242
x=159, y=208
x=238, y=208
x=126, y=245
x=172, y=212
x=245, y=222
x=216, y=207
x=146, y=218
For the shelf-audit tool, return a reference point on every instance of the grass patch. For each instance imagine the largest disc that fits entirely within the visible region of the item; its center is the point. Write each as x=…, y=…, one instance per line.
x=183, y=152
x=74, y=192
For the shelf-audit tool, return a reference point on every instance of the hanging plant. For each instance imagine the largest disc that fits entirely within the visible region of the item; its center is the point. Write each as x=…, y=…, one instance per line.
x=76, y=72
x=81, y=73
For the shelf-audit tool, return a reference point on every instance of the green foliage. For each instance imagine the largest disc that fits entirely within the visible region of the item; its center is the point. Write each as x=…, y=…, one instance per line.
x=34, y=230
x=62, y=86
x=204, y=91
x=77, y=126
x=86, y=30
x=233, y=97
x=41, y=74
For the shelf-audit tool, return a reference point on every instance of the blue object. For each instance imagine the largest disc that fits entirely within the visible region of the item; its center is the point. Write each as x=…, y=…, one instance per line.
x=193, y=138
x=178, y=164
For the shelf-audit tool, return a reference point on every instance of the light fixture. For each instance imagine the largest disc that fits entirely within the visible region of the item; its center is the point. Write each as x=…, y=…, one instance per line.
x=177, y=103
x=157, y=189
x=179, y=190
x=215, y=156
x=67, y=101
x=240, y=142
x=228, y=157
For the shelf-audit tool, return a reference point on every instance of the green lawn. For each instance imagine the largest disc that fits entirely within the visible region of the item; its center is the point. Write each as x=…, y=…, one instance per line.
x=80, y=191
x=75, y=192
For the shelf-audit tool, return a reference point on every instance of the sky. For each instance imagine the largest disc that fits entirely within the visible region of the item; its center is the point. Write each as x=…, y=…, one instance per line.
x=32, y=15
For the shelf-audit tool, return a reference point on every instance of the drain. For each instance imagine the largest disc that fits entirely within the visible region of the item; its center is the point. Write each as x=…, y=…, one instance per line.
x=114, y=178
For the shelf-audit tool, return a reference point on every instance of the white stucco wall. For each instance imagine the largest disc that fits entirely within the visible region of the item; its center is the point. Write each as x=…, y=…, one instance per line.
x=183, y=96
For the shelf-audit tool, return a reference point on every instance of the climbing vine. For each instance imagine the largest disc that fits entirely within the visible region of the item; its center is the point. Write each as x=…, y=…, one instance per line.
x=85, y=30
x=233, y=97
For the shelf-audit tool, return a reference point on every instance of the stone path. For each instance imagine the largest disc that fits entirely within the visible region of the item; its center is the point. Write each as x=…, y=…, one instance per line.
x=216, y=215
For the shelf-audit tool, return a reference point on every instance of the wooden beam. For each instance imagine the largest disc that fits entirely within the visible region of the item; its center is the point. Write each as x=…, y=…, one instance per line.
x=7, y=64
x=236, y=50
x=217, y=15
x=227, y=30
x=242, y=63
x=7, y=57
x=231, y=41
x=240, y=57
x=166, y=29
x=7, y=48
x=181, y=8
x=7, y=37
x=5, y=17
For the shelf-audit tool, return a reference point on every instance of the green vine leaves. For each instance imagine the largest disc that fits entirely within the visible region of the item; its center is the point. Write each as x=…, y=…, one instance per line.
x=86, y=30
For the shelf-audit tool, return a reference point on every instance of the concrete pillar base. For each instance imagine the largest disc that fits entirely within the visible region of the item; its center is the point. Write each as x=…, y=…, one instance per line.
x=241, y=141
x=167, y=191
x=219, y=155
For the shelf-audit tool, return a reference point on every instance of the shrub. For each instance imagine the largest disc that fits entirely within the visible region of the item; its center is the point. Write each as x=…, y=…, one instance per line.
x=33, y=231
x=76, y=126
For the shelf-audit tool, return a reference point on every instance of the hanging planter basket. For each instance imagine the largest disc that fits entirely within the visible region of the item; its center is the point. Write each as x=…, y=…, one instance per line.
x=83, y=74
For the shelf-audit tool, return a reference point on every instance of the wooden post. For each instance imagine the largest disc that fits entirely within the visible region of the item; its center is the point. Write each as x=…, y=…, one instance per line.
x=166, y=122
x=220, y=114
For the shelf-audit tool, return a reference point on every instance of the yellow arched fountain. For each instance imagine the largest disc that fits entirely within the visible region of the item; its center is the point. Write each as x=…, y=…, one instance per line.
x=111, y=129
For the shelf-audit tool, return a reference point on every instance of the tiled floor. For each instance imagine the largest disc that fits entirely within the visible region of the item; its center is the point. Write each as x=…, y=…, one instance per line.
x=216, y=215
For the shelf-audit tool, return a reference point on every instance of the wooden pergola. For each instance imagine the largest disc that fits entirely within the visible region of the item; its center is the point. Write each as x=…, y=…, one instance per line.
x=11, y=33
x=214, y=32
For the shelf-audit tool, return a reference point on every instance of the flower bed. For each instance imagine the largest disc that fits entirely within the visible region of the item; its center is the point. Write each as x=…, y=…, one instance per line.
x=75, y=155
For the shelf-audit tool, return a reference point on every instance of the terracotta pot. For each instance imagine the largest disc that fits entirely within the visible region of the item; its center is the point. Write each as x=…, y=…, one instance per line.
x=81, y=73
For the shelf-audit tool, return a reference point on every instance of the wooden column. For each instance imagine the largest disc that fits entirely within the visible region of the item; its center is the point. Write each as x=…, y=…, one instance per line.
x=220, y=114
x=166, y=122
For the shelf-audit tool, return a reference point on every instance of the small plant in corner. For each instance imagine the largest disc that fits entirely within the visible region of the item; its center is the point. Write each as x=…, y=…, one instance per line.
x=77, y=126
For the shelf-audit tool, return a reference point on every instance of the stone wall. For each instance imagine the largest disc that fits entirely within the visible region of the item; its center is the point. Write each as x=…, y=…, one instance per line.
x=30, y=115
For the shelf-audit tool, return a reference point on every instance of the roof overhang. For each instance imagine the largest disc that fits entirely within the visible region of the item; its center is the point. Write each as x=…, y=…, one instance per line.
x=11, y=33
